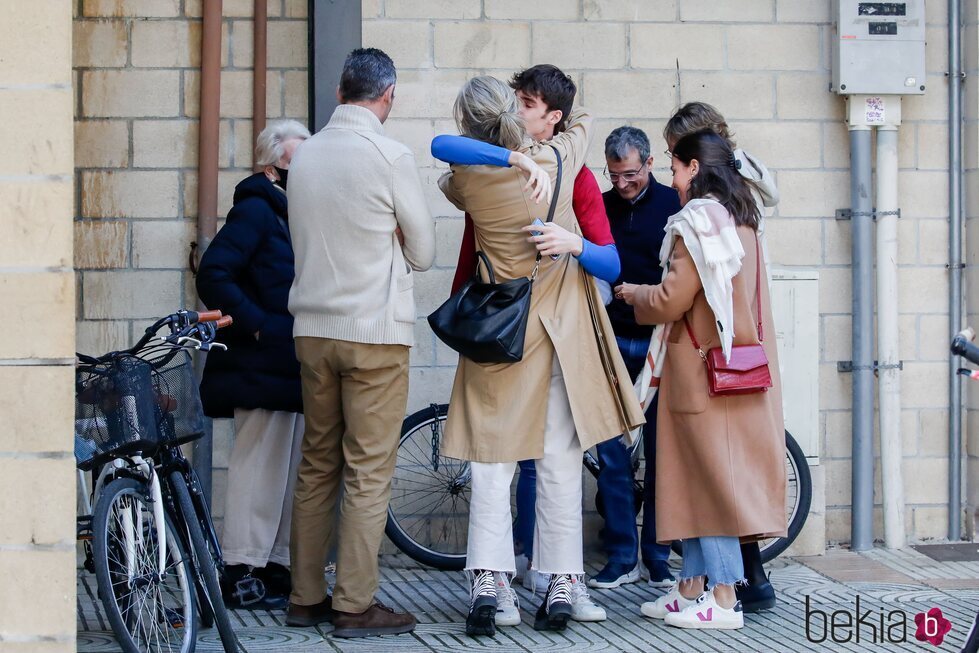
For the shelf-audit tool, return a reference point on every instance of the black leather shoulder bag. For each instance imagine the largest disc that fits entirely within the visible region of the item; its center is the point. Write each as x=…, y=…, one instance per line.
x=487, y=322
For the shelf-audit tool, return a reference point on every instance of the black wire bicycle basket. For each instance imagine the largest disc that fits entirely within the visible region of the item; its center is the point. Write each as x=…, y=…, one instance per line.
x=131, y=404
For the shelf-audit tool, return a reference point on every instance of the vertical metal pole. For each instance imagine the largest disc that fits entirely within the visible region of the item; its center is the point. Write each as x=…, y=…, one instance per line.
x=207, y=184
x=888, y=338
x=954, y=266
x=862, y=504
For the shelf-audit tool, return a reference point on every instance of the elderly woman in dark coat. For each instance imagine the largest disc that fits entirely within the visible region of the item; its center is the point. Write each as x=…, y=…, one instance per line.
x=246, y=272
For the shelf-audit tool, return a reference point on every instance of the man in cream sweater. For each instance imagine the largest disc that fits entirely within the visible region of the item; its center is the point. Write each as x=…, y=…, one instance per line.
x=359, y=226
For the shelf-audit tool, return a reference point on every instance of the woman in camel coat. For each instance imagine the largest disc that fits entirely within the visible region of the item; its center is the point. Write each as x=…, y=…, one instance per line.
x=571, y=389
x=720, y=473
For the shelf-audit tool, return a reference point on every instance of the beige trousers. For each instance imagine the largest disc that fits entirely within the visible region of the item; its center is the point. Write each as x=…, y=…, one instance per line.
x=261, y=484
x=354, y=399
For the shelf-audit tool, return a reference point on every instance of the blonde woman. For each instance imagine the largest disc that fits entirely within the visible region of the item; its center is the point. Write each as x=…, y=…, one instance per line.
x=551, y=405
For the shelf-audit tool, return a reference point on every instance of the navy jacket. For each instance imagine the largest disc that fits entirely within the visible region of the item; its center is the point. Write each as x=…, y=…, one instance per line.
x=638, y=230
x=246, y=272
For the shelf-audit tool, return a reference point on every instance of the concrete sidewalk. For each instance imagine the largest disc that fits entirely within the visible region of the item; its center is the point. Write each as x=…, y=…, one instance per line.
x=892, y=587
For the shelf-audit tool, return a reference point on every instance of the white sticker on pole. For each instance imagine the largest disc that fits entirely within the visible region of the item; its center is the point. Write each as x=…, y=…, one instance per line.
x=874, y=110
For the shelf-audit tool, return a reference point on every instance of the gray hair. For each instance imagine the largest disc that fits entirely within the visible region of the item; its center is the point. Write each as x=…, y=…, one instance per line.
x=367, y=73
x=268, y=146
x=486, y=109
x=623, y=139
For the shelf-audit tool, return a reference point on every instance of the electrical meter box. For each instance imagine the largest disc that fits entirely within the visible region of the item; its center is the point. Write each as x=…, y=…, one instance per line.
x=879, y=47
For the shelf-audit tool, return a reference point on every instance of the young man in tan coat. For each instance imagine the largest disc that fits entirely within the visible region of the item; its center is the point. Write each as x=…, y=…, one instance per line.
x=360, y=226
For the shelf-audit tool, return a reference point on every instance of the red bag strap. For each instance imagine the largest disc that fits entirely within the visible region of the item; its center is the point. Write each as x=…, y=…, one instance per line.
x=761, y=331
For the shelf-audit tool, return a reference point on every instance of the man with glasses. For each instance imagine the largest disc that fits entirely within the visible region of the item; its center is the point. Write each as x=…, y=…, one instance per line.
x=637, y=207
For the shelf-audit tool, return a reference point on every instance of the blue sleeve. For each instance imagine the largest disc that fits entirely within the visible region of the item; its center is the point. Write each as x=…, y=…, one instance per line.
x=469, y=151
x=600, y=261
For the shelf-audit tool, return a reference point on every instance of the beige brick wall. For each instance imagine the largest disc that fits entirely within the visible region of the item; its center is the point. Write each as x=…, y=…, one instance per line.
x=970, y=185
x=136, y=130
x=764, y=63
x=37, y=480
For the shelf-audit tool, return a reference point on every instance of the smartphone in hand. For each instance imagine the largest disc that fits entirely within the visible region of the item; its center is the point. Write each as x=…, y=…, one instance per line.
x=538, y=223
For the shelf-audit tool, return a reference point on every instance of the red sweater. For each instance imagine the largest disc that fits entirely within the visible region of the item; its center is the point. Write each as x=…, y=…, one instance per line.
x=589, y=208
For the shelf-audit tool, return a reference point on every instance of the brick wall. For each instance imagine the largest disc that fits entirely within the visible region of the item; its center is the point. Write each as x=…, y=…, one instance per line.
x=970, y=114
x=37, y=482
x=764, y=63
x=137, y=107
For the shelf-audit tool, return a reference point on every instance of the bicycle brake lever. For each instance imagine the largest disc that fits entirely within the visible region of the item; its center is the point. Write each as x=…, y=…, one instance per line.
x=195, y=343
x=211, y=345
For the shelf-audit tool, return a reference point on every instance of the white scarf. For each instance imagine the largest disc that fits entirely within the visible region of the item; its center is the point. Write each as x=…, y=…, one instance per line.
x=711, y=237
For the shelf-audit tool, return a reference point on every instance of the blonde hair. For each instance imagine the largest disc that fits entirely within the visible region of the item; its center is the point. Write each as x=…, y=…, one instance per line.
x=269, y=148
x=486, y=109
x=694, y=117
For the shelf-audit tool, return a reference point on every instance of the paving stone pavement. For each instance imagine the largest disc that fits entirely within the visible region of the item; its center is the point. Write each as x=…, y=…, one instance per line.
x=885, y=581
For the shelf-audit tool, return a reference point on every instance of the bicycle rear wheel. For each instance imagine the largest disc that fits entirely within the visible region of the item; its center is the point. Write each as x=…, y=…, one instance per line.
x=204, y=562
x=798, y=500
x=148, y=610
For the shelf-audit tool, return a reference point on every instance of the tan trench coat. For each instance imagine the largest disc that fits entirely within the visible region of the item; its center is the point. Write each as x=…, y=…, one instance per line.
x=720, y=461
x=497, y=411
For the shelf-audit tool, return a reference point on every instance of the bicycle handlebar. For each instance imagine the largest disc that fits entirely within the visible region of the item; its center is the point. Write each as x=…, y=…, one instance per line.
x=962, y=345
x=224, y=321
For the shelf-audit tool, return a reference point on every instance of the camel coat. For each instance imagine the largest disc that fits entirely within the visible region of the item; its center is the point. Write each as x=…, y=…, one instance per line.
x=720, y=461
x=497, y=411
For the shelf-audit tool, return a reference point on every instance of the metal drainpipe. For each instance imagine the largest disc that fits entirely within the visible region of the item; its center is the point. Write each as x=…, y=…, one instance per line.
x=888, y=338
x=955, y=266
x=260, y=70
x=207, y=180
x=861, y=204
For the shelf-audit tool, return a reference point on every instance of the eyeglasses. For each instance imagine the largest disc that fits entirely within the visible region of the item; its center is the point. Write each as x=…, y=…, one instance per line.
x=668, y=153
x=629, y=176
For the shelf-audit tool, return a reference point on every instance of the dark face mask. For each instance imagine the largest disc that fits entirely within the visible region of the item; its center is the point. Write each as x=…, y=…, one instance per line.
x=283, y=175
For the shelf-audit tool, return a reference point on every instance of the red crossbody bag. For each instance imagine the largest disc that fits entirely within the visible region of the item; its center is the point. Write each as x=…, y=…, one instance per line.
x=747, y=372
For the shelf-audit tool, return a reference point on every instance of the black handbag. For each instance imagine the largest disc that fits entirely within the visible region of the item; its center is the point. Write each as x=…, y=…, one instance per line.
x=487, y=322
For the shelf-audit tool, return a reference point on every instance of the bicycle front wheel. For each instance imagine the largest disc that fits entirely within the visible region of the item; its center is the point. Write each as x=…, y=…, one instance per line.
x=149, y=608
x=204, y=562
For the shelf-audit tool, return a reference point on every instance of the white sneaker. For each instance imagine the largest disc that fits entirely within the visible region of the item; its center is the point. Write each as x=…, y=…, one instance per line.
x=536, y=582
x=706, y=613
x=507, y=603
x=582, y=607
x=669, y=603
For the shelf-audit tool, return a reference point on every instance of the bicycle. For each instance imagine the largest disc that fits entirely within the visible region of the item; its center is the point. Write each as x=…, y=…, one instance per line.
x=150, y=540
x=428, y=516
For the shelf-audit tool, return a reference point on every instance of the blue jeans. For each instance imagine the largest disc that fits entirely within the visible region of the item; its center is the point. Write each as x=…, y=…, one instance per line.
x=523, y=525
x=615, y=484
x=718, y=558
x=633, y=352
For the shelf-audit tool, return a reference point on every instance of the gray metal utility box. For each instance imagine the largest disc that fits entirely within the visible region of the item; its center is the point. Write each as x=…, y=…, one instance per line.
x=879, y=47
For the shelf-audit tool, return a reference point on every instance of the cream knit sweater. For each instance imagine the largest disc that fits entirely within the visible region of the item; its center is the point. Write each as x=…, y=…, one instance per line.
x=350, y=187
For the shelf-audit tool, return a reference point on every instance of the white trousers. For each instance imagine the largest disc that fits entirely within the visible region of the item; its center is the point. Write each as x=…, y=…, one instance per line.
x=261, y=483
x=557, y=537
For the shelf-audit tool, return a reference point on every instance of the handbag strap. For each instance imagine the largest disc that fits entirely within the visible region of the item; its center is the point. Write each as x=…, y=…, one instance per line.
x=553, y=207
x=761, y=332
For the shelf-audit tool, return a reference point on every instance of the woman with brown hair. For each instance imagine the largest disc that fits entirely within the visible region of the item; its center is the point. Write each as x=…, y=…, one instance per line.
x=720, y=474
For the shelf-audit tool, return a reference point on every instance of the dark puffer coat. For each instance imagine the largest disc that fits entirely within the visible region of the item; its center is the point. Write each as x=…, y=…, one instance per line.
x=246, y=272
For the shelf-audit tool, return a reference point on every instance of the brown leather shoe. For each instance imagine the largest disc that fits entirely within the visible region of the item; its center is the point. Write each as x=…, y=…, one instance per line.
x=375, y=620
x=310, y=615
